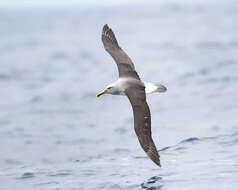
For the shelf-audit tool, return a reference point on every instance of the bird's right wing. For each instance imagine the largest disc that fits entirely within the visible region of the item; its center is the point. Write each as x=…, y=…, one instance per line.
x=142, y=121
x=125, y=66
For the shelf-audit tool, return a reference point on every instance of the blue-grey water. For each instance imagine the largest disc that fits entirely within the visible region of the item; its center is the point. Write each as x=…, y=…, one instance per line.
x=55, y=134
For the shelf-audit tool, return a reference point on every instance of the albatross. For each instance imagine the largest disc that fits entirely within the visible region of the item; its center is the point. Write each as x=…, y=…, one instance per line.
x=130, y=85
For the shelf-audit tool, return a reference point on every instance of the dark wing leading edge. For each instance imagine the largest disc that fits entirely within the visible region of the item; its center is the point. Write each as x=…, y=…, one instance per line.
x=142, y=121
x=125, y=66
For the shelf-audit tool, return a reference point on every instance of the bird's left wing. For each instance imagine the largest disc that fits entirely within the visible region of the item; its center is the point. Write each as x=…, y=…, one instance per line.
x=124, y=64
x=142, y=121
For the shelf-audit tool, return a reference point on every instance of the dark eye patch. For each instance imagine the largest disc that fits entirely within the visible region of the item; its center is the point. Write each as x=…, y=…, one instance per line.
x=109, y=87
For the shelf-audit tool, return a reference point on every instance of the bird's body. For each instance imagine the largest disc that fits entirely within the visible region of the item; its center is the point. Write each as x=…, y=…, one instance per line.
x=129, y=84
x=120, y=85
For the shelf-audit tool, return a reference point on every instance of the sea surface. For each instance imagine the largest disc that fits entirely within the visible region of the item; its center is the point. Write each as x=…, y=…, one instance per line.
x=56, y=135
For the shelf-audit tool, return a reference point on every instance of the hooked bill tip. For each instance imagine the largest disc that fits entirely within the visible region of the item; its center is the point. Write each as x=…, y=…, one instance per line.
x=101, y=93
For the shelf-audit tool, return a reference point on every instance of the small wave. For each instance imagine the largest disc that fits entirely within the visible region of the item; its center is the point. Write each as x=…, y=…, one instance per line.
x=110, y=186
x=48, y=183
x=152, y=183
x=189, y=140
x=140, y=157
x=180, y=148
x=60, y=173
x=178, y=145
x=221, y=139
x=165, y=148
x=27, y=175
x=88, y=172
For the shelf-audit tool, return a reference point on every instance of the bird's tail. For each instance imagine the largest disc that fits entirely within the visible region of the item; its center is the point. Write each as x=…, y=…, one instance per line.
x=151, y=88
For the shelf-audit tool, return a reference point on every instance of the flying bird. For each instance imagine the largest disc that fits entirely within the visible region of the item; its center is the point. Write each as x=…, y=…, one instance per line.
x=130, y=85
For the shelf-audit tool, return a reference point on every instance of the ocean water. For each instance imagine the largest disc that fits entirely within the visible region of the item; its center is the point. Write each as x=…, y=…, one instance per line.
x=56, y=135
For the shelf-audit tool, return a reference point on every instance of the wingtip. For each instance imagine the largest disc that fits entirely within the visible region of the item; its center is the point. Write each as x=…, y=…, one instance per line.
x=157, y=163
x=105, y=27
x=108, y=38
x=154, y=156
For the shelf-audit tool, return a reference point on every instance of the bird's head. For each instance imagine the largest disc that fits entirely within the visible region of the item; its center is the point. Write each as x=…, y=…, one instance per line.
x=110, y=89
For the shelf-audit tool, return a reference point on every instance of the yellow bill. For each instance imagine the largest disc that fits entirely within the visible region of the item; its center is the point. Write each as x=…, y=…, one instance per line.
x=101, y=93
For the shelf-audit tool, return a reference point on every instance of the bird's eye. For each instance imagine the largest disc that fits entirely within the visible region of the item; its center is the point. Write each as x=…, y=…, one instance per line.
x=109, y=87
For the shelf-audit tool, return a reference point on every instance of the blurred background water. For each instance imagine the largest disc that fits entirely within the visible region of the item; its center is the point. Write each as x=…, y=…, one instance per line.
x=55, y=134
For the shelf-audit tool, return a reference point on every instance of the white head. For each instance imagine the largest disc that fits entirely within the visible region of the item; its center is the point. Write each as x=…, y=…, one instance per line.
x=110, y=89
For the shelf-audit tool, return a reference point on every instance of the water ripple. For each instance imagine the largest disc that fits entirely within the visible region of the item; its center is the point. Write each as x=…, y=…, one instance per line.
x=152, y=183
x=60, y=173
x=219, y=139
x=27, y=175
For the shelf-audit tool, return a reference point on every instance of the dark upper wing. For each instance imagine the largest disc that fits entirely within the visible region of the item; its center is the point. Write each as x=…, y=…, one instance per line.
x=142, y=121
x=125, y=66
